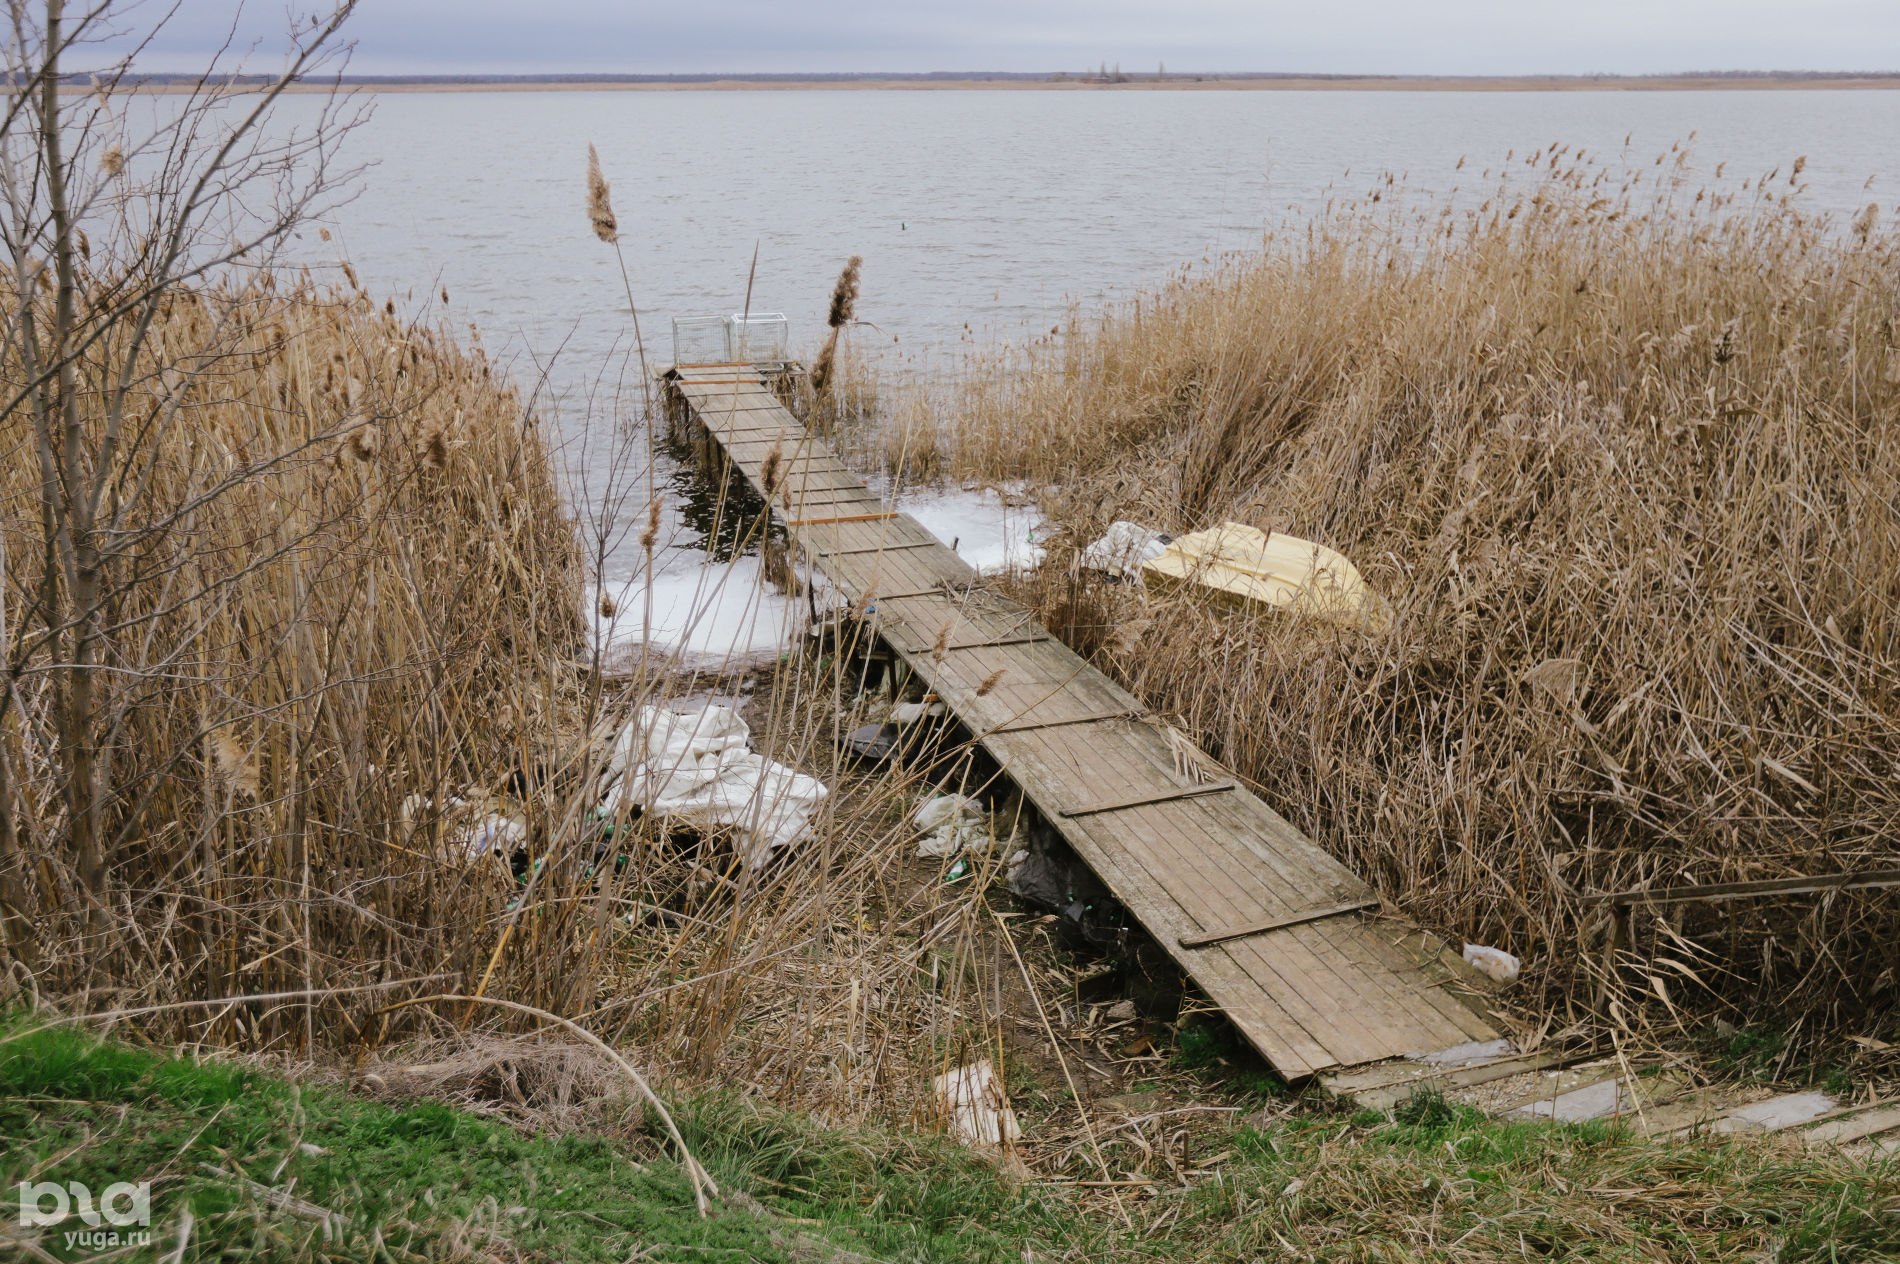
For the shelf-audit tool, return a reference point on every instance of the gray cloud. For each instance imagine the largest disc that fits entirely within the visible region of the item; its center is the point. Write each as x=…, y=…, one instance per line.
x=1359, y=36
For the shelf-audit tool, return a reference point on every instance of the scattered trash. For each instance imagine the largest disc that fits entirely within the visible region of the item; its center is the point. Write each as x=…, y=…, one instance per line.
x=973, y=1102
x=1495, y=962
x=495, y=835
x=1248, y=566
x=1049, y=874
x=909, y=713
x=874, y=742
x=1124, y=550
x=701, y=768
x=950, y=823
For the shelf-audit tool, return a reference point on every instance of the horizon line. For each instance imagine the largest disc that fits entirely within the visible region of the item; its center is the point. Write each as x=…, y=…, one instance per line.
x=1112, y=79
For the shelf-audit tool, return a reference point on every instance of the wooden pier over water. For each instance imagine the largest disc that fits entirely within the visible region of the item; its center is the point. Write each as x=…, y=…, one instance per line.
x=1277, y=933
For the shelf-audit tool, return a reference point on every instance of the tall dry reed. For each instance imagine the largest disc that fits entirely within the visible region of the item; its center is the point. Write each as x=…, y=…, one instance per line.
x=343, y=594
x=1623, y=449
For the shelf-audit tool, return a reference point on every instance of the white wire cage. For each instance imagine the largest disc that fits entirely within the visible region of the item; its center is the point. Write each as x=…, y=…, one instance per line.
x=741, y=338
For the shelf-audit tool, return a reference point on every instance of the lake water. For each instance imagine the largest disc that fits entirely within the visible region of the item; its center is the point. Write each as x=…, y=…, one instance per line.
x=980, y=214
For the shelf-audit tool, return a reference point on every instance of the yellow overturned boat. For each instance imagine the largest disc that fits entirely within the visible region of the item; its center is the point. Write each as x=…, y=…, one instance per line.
x=1246, y=567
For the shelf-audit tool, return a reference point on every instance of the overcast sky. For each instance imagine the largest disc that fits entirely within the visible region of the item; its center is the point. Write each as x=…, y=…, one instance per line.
x=1341, y=36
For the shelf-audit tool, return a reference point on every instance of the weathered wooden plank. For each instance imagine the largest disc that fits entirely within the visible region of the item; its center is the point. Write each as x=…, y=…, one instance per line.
x=1276, y=923
x=1187, y=859
x=1204, y=887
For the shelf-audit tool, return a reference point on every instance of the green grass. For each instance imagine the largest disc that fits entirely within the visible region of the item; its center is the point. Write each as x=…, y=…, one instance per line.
x=1217, y=1051
x=1429, y=1181
x=424, y=1180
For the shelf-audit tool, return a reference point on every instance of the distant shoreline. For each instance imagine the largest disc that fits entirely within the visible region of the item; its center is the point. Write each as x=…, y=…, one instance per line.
x=1727, y=82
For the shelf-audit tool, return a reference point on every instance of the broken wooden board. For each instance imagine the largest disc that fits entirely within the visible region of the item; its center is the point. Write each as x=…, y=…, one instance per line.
x=1651, y=1101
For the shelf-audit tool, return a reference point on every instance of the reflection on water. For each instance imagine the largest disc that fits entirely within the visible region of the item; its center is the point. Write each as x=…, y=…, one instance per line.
x=721, y=519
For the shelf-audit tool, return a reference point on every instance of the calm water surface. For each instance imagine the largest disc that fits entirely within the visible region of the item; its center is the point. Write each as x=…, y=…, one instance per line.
x=980, y=214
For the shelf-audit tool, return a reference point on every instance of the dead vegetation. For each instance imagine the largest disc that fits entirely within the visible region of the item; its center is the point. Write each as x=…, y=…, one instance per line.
x=348, y=594
x=1622, y=448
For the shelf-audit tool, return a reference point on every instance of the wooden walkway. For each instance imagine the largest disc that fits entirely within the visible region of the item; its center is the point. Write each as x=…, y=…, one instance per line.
x=1299, y=965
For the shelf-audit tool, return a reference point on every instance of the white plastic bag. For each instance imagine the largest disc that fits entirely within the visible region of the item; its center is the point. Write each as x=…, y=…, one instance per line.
x=1123, y=549
x=495, y=834
x=950, y=823
x=978, y=1112
x=701, y=768
x=1495, y=962
x=909, y=713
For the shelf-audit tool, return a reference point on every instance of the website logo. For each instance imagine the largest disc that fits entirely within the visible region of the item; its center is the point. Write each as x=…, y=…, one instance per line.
x=121, y=1206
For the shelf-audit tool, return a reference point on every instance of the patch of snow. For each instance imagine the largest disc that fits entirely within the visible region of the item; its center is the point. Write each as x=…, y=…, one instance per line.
x=988, y=531
x=708, y=615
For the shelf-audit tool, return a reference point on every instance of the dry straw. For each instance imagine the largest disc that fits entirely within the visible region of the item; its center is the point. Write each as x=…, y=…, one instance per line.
x=1624, y=453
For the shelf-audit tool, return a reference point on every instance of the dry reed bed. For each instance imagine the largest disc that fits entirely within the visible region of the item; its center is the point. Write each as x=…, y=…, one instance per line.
x=1625, y=454
x=339, y=576
x=350, y=598
x=840, y=979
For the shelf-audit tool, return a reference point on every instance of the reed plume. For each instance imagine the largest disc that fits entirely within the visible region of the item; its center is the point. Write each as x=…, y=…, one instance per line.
x=112, y=161
x=770, y=469
x=991, y=681
x=822, y=368
x=600, y=213
x=233, y=767
x=652, y=532
x=844, y=307
x=844, y=295
x=600, y=206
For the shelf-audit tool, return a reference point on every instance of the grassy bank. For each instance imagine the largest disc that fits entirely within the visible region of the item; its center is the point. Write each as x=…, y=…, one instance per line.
x=1622, y=449
x=244, y=1164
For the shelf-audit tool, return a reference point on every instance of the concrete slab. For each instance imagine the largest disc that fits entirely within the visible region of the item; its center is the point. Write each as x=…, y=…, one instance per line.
x=1852, y=1128
x=1776, y=1113
x=1470, y=1053
x=1592, y=1101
